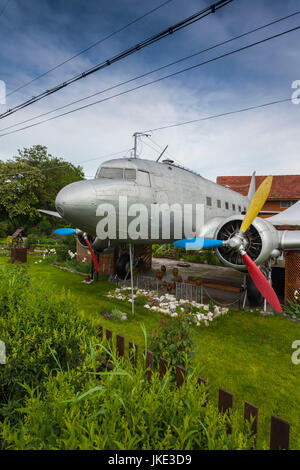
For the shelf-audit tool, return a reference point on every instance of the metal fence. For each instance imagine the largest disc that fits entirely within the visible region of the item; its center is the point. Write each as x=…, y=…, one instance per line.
x=181, y=290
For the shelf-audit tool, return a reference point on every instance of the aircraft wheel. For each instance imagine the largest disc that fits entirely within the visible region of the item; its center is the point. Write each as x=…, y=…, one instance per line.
x=255, y=298
x=123, y=266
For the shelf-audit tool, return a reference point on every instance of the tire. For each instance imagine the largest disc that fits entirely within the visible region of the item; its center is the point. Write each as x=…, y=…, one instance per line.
x=255, y=298
x=123, y=266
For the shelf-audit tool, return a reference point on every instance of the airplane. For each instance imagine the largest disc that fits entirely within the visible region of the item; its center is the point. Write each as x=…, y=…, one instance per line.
x=230, y=224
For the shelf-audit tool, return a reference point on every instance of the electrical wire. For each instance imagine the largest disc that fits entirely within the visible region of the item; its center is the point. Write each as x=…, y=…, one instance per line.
x=214, y=116
x=193, y=67
x=151, y=40
x=63, y=163
x=100, y=41
x=151, y=72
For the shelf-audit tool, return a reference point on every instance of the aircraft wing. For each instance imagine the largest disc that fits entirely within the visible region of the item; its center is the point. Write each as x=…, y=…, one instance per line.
x=53, y=213
x=290, y=216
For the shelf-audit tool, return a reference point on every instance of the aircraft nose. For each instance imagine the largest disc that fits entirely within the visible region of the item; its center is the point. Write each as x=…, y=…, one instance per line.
x=73, y=196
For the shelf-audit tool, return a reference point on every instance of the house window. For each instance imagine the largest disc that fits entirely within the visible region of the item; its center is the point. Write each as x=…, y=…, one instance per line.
x=226, y=205
x=285, y=204
x=218, y=203
x=208, y=201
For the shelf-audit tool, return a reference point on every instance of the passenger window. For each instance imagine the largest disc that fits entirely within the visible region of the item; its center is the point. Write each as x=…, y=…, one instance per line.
x=226, y=205
x=218, y=203
x=143, y=178
x=130, y=174
x=208, y=201
x=233, y=207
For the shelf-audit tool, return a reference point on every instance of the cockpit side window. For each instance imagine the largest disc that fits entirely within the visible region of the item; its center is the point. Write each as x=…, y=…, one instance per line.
x=143, y=178
x=130, y=174
x=112, y=173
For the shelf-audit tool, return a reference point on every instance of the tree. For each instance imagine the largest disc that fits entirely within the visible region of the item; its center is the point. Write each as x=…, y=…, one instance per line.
x=30, y=181
x=58, y=173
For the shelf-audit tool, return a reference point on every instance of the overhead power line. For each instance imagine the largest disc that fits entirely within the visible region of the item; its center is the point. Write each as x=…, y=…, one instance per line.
x=100, y=41
x=214, y=116
x=193, y=67
x=141, y=45
x=151, y=72
x=59, y=167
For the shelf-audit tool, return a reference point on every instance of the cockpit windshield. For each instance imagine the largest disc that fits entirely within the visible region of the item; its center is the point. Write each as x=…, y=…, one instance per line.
x=117, y=173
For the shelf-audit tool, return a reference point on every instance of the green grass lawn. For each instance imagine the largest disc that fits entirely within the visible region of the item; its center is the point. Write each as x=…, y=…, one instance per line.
x=245, y=353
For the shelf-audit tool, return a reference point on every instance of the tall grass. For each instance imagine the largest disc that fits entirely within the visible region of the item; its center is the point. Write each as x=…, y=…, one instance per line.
x=54, y=396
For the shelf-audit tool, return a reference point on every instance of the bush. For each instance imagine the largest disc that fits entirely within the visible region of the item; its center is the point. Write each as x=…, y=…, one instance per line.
x=40, y=331
x=62, y=253
x=4, y=228
x=173, y=340
x=121, y=411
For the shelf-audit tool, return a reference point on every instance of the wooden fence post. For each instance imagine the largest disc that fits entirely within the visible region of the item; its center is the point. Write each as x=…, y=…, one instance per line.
x=149, y=365
x=163, y=365
x=225, y=404
x=133, y=352
x=101, y=332
x=280, y=434
x=180, y=376
x=251, y=413
x=120, y=345
x=109, y=340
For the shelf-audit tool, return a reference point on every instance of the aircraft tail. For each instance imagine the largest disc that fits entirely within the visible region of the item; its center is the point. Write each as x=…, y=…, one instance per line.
x=252, y=187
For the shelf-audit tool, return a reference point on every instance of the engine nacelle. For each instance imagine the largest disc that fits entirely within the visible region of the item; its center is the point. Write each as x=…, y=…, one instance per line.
x=261, y=241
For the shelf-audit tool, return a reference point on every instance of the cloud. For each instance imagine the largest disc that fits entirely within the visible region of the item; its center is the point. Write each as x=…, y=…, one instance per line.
x=265, y=140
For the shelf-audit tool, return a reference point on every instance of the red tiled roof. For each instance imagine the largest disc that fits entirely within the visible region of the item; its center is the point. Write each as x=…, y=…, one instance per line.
x=283, y=186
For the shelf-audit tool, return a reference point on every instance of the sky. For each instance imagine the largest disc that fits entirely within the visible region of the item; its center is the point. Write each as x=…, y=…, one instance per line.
x=36, y=35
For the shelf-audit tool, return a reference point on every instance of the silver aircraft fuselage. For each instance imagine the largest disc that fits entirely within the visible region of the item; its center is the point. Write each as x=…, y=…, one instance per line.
x=148, y=183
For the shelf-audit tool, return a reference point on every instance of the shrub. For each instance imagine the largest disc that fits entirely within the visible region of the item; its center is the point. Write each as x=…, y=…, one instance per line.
x=116, y=315
x=4, y=227
x=121, y=411
x=292, y=308
x=62, y=252
x=173, y=340
x=40, y=331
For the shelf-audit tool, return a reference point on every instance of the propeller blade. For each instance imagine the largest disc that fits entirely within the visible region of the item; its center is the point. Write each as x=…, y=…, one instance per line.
x=197, y=243
x=257, y=202
x=65, y=231
x=262, y=283
x=96, y=264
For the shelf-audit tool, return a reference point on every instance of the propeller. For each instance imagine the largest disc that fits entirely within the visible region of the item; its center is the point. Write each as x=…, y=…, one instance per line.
x=237, y=242
x=95, y=261
x=198, y=243
x=65, y=231
x=71, y=231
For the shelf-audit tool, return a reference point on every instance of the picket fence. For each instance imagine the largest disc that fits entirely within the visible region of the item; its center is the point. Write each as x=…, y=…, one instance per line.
x=279, y=430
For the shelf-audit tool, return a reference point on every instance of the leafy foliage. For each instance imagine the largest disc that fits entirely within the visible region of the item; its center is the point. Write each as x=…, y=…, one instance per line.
x=39, y=331
x=173, y=340
x=31, y=180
